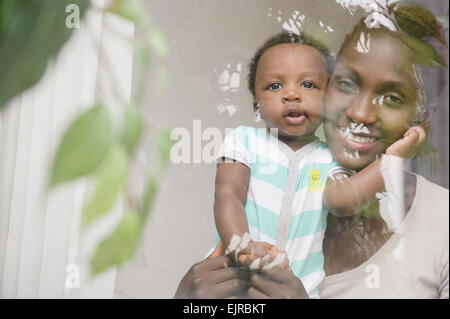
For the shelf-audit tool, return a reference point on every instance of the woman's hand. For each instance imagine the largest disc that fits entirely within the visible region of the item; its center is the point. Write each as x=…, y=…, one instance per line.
x=275, y=279
x=215, y=277
x=278, y=282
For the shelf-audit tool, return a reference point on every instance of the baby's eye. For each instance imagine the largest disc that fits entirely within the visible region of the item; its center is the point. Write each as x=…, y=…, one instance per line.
x=274, y=86
x=308, y=85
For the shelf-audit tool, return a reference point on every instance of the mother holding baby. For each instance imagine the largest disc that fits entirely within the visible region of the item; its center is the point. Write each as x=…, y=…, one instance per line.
x=377, y=91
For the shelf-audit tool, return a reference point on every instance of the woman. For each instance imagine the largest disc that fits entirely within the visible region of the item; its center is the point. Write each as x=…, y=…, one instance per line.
x=375, y=88
x=412, y=262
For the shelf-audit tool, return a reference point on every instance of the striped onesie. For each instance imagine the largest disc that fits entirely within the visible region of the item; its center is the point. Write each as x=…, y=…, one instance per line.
x=284, y=202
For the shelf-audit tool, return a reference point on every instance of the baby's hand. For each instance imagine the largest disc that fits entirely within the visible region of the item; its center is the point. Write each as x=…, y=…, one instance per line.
x=409, y=145
x=261, y=255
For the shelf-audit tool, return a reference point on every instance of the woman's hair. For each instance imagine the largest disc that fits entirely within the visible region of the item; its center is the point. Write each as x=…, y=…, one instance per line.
x=283, y=38
x=422, y=35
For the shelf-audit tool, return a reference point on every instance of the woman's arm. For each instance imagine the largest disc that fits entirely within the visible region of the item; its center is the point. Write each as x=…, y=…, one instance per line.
x=230, y=196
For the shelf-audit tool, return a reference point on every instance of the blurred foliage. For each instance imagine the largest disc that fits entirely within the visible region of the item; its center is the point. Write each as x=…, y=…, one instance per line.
x=419, y=22
x=130, y=10
x=164, y=145
x=132, y=129
x=31, y=33
x=424, y=52
x=416, y=26
x=110, y=181
x=83, y=147
x=119, y=246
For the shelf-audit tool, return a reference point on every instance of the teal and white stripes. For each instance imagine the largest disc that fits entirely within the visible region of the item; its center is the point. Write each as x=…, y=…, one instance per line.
x=275, y=201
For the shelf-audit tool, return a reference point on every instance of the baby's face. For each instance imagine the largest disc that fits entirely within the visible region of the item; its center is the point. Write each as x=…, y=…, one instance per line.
x=290, y=84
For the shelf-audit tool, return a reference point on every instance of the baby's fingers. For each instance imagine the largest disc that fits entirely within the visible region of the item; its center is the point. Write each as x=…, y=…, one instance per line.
x=272, y=258
x=418, y=133
x=406, y=147
x=256, y=248
x=250, y=260
x=409, y=145
x=280, y=259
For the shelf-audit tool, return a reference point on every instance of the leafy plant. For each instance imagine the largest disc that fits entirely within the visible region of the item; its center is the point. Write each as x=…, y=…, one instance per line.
x=31, y=34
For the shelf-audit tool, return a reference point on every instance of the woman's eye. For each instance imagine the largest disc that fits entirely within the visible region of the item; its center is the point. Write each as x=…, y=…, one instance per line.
x=346, y=85
x=274, y=86
x=393, y=99
x=308, y=85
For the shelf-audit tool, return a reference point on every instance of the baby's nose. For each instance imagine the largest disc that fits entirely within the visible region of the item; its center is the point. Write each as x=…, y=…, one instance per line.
x=291, y=95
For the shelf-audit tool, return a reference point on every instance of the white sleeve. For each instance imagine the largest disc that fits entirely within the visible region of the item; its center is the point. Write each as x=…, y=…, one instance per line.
x=233, y=148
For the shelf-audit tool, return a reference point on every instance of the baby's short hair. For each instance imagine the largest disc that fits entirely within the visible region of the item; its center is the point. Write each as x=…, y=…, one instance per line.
x=283, y=38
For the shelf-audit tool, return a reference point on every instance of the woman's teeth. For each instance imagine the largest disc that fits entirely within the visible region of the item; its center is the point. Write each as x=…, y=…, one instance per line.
x=356, y=138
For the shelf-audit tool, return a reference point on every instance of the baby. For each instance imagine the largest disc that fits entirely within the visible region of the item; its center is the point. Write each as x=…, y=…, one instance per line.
x=271, y=184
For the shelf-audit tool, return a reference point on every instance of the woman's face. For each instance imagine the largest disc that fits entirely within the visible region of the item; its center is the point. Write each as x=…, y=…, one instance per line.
x=370, y=101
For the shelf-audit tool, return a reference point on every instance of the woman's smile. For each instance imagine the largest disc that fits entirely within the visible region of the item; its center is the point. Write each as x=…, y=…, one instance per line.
x=356, y=138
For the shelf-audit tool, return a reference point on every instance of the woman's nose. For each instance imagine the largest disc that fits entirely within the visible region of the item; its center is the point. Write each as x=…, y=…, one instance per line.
x=362, y=109
x=291, y=95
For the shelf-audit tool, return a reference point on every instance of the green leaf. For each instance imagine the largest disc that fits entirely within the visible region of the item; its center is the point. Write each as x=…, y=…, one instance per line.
x=424, y=53
x=83, y=147
x=110, y=182
x=418, y=22
x=141, y=53
x=158, y=42
x=31, y=33
x=130, y=10
x=132, y=129
x=148, y=198
x=119, y=246
x=6, y=13
x=164, y=144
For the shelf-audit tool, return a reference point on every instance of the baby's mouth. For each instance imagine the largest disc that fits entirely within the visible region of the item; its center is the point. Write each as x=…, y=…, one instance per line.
x=294, y=117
